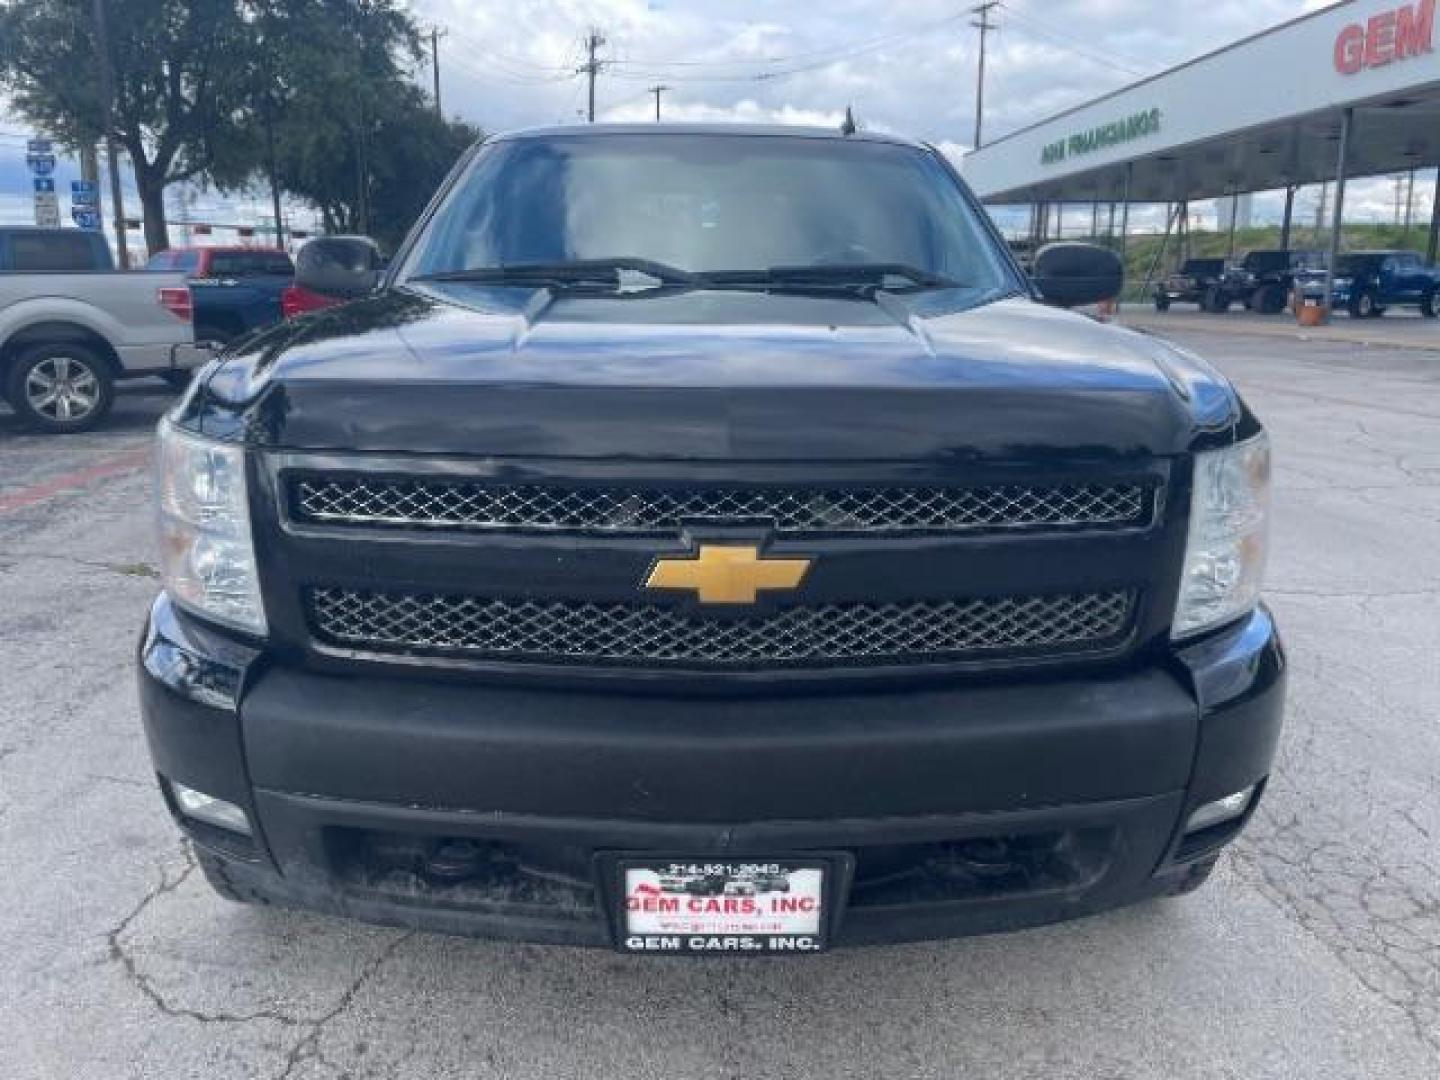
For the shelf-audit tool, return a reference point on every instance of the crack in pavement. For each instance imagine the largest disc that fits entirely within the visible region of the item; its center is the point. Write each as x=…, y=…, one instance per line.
x=308, y=1047
x=121, y=955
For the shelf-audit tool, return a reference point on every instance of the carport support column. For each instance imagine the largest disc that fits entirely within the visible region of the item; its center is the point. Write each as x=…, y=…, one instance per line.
x=1289, y=213
x=1342, y=161
x=1234, y=218
x=1434, y=244
x=1125, y=210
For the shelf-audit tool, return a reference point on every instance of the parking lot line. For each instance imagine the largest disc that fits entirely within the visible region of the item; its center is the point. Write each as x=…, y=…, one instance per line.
x=119, y=464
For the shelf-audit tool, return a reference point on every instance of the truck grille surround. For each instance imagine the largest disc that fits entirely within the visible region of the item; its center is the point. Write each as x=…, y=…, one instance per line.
x=446, y=504
x=540, y=570
x=807, y=634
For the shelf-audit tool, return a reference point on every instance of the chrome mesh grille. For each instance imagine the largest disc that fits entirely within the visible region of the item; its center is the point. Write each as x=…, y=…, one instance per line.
x=822, y=634
x=448, y=504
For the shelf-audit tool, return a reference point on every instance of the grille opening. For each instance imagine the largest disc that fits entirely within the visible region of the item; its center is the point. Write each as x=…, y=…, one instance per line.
x=556, y=882
x=409, y=502
x=461, y=873
x=980, y=868
x=619, y=633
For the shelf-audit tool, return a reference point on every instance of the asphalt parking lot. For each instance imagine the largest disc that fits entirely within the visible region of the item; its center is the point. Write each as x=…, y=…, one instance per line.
x=1314, y=953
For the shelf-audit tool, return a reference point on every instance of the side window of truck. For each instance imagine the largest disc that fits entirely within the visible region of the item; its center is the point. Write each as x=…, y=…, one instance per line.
x=53, y=252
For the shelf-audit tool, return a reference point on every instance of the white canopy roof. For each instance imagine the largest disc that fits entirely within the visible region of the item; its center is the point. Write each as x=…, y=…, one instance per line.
x=1261, y=113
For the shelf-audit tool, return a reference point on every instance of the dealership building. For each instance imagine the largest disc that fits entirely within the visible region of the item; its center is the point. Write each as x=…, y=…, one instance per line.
x=1350, y=90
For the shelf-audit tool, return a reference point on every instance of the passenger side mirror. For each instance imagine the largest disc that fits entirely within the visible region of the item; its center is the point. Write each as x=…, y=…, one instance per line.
x=341, y=266
x=1070, y=274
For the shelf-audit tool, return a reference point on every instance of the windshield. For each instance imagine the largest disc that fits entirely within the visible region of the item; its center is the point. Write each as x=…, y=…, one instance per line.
x=708, y=204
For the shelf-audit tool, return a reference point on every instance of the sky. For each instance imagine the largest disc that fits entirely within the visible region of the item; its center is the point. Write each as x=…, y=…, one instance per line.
x=908, y=68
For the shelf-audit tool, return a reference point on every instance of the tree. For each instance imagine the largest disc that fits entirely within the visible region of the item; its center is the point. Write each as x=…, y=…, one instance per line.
x=376, y=179
x=357, y=137
x=225, y=90
x=182, y=81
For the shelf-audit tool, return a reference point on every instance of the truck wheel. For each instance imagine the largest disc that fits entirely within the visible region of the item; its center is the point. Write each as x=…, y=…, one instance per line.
x=1193, y=877
x=1268, y=300
x=1162, y=303
x=1216, y=301
x=1362, y=305
x=60, y=388
x=217, y=876
x=1430, y=305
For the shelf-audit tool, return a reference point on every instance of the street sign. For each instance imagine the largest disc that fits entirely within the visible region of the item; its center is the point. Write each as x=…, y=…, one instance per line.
x=85, y=217
x=44, y=184
x=47, y=217
x=37, y=146
x=83, y=193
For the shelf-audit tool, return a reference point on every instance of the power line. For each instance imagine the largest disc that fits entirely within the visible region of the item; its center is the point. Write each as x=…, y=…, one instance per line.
x=1034, y=26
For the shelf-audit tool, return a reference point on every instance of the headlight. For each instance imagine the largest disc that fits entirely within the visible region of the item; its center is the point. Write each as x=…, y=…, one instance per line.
x=1225, y=551
x=207, y=556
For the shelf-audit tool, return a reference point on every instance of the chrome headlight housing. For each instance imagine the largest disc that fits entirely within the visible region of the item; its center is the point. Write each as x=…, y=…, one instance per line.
x=207, y=554
x=1228, y=541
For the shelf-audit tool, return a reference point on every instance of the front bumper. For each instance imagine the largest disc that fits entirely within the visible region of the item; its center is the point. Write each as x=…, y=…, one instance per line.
x=349, y=782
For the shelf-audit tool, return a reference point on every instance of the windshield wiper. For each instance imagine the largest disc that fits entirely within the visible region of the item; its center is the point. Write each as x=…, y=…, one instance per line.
x=609, y=273
x=833, y=275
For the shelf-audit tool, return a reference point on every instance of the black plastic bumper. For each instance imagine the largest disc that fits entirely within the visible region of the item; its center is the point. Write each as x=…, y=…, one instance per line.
x=347, y=780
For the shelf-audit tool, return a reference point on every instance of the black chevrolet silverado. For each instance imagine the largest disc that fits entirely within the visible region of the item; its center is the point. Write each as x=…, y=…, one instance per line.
x=692, y=507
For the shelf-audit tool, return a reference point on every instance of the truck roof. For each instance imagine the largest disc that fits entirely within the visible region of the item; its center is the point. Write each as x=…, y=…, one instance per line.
x=693, y=130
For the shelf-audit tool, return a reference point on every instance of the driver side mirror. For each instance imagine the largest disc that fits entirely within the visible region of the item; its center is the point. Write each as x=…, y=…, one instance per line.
x=345, y=267
x=1069, y=274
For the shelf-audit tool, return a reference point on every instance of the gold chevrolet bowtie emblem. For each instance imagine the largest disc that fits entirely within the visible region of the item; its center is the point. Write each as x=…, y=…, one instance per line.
x=727, y=574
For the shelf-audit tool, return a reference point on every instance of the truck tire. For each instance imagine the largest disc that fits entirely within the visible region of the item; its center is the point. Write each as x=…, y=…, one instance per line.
x=1193, y=877
x=1162, y=303
x=1430, y=305
x=1268, y=300
x=217, y=876
x=1363, y=306
x=61, y=387
x=1216, y=300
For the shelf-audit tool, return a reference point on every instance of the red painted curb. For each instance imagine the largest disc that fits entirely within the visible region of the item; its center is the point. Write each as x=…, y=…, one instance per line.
x=130, y=461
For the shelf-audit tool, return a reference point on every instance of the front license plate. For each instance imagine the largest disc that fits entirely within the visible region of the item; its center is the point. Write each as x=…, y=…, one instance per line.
x=742, y=907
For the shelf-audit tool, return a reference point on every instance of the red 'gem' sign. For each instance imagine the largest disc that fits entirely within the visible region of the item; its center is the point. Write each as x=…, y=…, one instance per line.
x=1392, y=35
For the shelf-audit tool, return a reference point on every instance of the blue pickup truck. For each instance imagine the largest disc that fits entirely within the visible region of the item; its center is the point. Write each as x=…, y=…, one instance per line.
x=236, y=289
x=1367, y=283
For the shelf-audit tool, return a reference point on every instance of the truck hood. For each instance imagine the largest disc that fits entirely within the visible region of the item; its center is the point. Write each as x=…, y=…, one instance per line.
x=707, y=374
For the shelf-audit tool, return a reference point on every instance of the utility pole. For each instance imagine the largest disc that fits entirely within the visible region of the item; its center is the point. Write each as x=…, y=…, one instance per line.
x=107, y=107
x=90, y=173
x=593, y=42
x=984, y=25
x=657, y=91
x=435, y=66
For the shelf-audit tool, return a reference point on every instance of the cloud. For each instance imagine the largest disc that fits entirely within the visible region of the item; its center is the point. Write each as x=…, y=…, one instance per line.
x=906, y=68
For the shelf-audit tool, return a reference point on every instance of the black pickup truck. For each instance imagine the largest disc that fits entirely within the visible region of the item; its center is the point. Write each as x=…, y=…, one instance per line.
x=1191, y=284
x=1262, y=281
x=711, y=504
